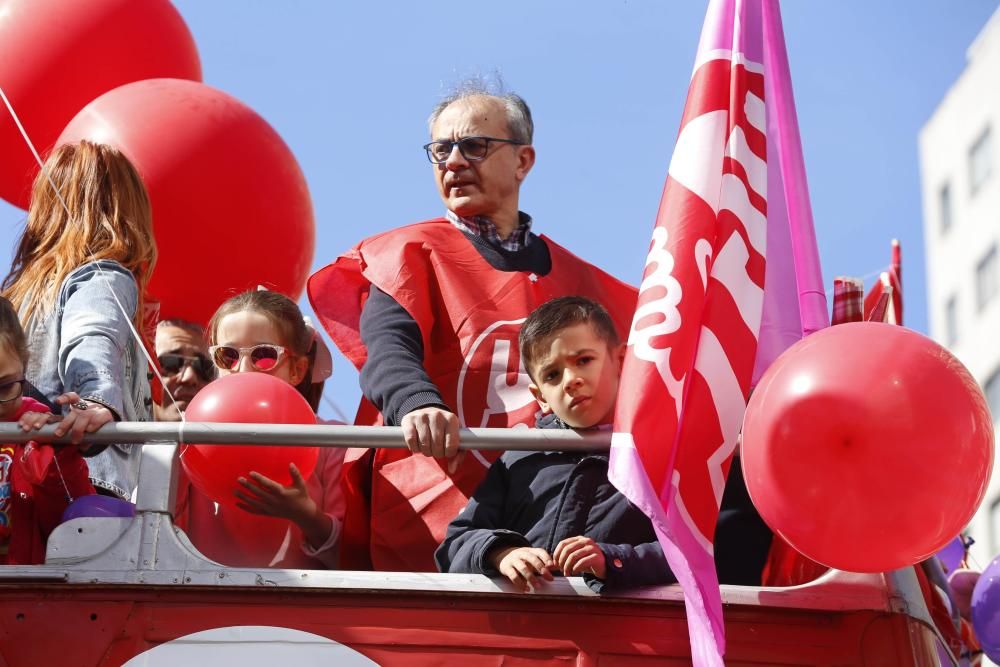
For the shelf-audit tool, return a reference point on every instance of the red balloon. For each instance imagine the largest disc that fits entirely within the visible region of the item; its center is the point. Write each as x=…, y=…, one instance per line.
x=867, y=447
x=231, y=208
x=57, y=56
x=247, y=398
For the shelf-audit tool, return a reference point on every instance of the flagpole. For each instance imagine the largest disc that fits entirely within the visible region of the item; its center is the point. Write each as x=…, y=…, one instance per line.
x=805, y=250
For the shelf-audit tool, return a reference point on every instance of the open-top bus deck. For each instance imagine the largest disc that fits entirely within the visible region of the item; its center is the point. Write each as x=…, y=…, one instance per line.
x=134, y=591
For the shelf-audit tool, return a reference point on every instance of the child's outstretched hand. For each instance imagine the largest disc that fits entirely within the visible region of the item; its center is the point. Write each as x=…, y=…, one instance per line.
x=524, y=566
x=580, y=555
x=262, y=495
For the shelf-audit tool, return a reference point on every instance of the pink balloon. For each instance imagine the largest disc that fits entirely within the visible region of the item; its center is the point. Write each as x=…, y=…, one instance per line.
x=963, y=583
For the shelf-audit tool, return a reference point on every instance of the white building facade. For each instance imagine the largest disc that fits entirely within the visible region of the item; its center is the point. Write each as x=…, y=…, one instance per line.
x=960, y=173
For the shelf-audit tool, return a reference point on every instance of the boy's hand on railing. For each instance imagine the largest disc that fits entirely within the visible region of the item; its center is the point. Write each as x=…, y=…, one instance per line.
x=580, y=555
x=262, y=495
x=524, y=566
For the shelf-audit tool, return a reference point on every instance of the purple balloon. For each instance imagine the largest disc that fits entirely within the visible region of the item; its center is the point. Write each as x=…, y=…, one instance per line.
x=986, y=610
x=952, y=555
x=97, y=505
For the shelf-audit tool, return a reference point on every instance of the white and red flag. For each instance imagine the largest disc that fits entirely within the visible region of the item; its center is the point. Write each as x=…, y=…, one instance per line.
x=732, y=278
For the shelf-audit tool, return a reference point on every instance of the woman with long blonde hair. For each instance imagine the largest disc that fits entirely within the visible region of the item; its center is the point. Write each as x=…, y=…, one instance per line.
x=77, y=281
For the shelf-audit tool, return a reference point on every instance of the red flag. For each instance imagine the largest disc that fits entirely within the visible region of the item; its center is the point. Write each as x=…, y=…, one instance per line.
x=736, y=185
x=884, y=302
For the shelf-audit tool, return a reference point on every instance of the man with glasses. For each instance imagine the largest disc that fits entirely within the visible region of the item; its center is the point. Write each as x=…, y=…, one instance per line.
x=430, y=315
x=182, y=352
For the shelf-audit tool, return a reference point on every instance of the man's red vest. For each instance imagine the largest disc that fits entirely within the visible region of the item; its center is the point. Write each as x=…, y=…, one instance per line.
x=469, y=315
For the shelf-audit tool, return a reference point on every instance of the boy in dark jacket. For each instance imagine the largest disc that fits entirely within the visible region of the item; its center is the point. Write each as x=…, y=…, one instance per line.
x=537, y=513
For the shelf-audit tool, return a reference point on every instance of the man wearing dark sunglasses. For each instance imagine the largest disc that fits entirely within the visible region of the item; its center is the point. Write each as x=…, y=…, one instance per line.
x=182, y=353
x=436, y=337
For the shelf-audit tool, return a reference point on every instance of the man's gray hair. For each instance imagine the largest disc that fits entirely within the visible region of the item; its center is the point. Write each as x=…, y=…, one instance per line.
x=519, y=123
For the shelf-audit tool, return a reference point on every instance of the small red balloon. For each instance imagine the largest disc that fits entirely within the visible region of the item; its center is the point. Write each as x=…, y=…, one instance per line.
x=231, y=209
x=246, y=398
x=57, y=56
x=867, y=447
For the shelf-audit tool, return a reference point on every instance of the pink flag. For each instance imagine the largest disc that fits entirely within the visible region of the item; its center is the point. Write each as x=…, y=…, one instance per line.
x=732, y=278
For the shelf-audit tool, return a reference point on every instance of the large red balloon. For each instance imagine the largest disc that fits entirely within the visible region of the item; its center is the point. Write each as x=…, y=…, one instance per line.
x=231, y=208
x=248, y=398
x=867, y=446
x=56, y=56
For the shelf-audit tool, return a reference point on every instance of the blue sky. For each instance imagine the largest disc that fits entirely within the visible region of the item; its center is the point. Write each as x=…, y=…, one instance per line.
x=349, y=86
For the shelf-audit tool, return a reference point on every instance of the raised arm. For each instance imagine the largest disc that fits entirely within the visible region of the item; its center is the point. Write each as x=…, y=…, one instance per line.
x=94, y=333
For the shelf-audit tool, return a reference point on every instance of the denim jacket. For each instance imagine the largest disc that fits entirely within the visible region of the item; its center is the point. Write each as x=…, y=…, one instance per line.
x=84, y=344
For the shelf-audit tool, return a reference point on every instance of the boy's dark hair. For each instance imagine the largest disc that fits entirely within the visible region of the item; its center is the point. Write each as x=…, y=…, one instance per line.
x=11, y=333
x=557, y=314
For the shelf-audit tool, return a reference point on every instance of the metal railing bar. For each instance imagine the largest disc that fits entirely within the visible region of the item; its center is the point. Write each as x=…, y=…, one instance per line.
x=320, y=435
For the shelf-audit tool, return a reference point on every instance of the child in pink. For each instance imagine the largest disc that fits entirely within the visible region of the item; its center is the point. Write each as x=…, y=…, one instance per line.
x=294, y=526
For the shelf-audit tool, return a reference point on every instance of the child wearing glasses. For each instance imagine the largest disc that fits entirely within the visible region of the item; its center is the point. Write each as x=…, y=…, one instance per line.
x=37, y=482
x=538, y=513
x=298, y=525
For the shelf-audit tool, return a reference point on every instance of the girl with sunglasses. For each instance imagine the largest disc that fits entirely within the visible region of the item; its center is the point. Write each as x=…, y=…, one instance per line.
x=77, y=281
x=37, y=482
x=288, y=526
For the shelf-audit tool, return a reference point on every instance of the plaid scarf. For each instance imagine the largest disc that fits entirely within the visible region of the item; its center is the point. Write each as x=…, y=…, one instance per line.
x=848, y=300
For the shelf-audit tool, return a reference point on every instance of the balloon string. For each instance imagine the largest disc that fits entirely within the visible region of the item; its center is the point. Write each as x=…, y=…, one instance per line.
x=128, y=320
x=55, y=459
x=336, y=408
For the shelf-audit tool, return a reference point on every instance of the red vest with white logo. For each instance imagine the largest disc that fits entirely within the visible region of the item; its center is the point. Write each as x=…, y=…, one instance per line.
x=469, y=316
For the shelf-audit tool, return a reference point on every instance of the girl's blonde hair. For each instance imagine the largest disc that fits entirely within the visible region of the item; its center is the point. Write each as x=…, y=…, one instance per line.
x=109, y=217
x=285, y=315
x=282, y=312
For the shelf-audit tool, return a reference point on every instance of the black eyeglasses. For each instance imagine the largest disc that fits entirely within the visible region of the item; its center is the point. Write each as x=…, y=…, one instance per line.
x=172, y=364
x=11, y=390
x=471, y=148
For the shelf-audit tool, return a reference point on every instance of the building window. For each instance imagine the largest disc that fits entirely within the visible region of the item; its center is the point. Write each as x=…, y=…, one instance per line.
x=986, y=278
x=980, y=161
x=992, y=391
x=944, y=201
x=951, y=321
